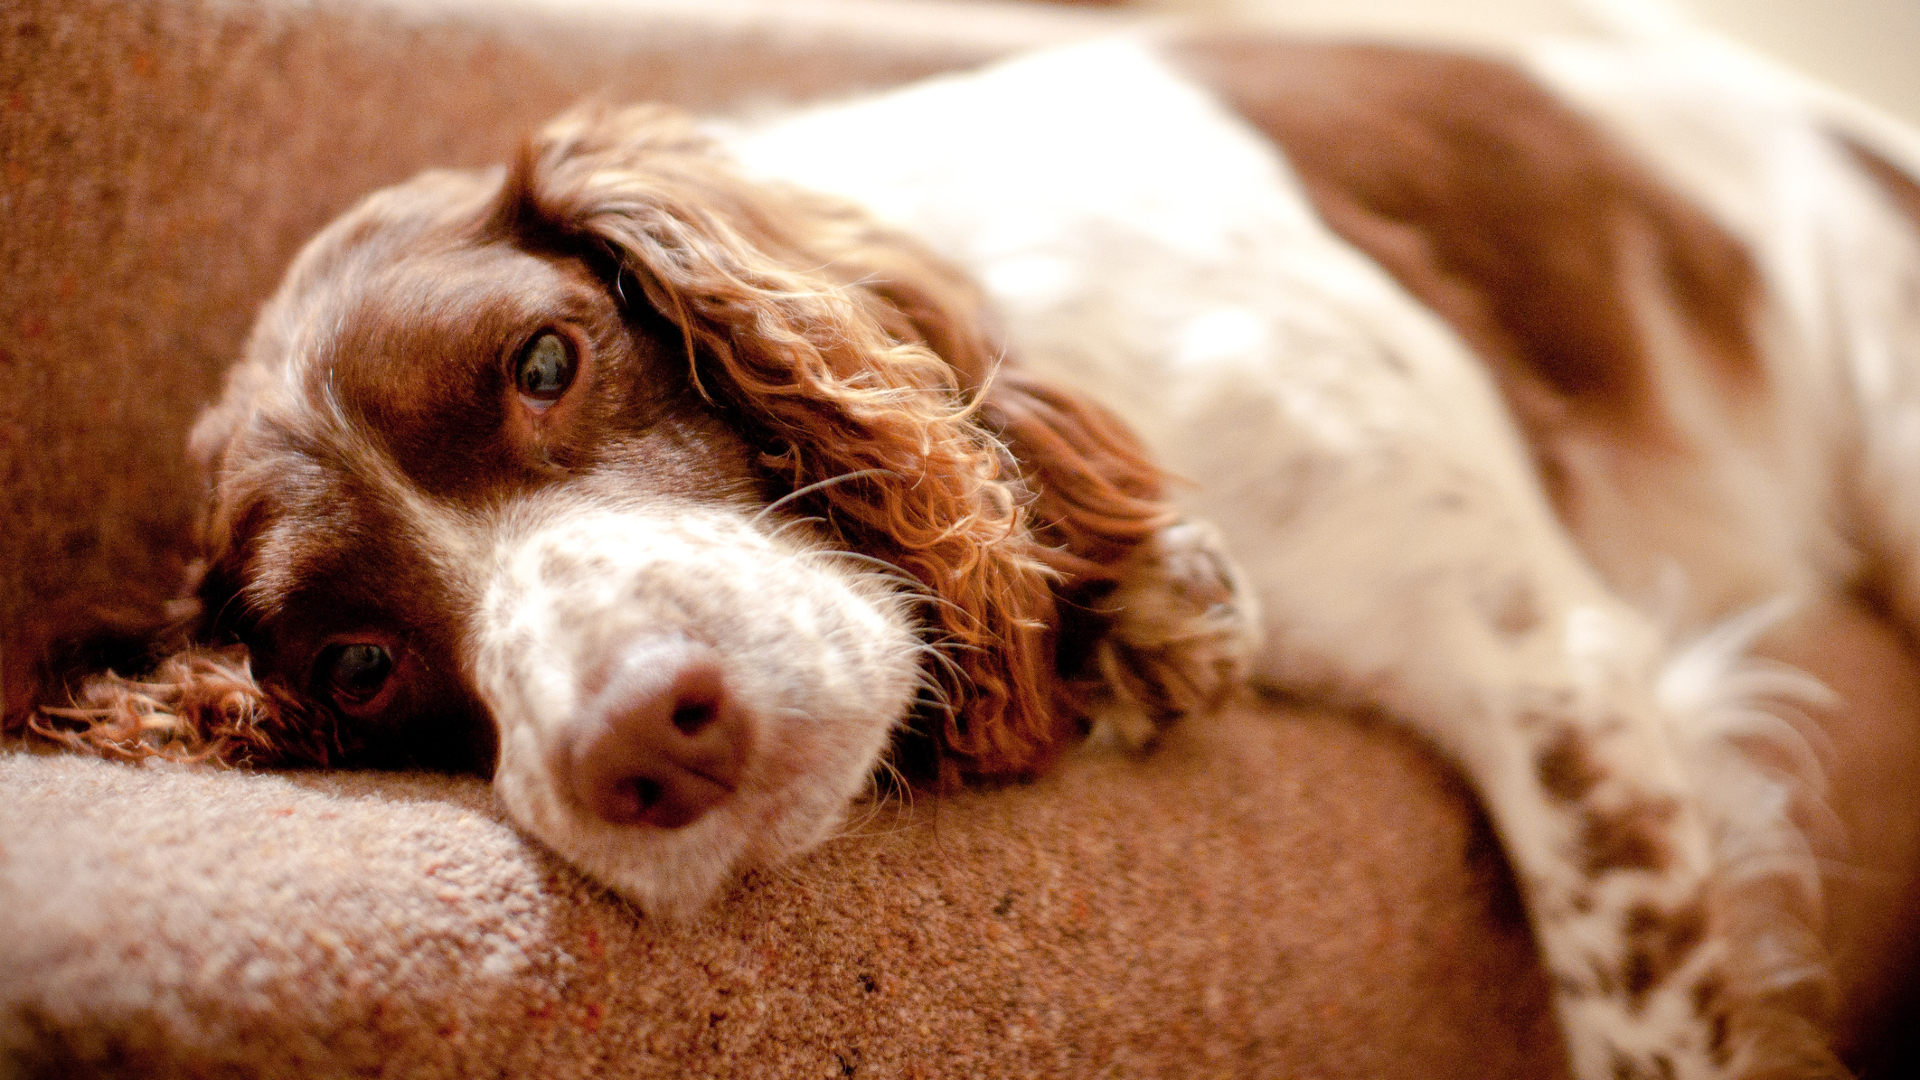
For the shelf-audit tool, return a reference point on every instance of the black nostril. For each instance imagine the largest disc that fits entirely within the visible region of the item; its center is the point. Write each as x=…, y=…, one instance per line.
x=647, y=793
x=691, y=716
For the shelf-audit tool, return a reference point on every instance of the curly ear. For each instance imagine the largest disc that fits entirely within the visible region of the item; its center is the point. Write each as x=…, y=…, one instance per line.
x=198, y=704
x=192, y=701
x=856, y=361
x=50, y=648
x=1157, y=620
x=1151, y=620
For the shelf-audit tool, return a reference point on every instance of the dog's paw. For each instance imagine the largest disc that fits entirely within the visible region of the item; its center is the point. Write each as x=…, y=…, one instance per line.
x=1184, y=626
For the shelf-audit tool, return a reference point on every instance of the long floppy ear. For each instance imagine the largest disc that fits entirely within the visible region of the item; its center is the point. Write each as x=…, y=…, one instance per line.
x=190, y=701
x=853, y=359
x=1153, y=619
x=1158, y=622
x=200, y=703
x=192, y=694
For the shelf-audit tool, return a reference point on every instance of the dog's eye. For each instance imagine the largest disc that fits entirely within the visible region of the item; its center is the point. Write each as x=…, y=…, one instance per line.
x=545, y=368
x=354, y=674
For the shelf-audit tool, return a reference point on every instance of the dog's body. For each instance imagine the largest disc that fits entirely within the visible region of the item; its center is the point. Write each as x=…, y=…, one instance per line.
x=640, y=458
x=1337, y=398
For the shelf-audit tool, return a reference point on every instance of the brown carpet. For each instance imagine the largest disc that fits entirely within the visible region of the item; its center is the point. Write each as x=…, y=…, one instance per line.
x=1268, y=895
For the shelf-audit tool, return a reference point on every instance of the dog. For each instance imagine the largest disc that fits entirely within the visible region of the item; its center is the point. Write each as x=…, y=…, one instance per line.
x=687, y=475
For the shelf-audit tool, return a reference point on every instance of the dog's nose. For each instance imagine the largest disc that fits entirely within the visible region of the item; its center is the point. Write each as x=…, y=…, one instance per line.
x=663, y=743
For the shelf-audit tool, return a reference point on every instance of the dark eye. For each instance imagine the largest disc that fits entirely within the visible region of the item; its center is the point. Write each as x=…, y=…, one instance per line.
x=354, y=674
x=545, y=368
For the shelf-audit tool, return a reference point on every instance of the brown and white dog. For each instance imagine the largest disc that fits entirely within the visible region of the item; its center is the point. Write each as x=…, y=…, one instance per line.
x=684, y=476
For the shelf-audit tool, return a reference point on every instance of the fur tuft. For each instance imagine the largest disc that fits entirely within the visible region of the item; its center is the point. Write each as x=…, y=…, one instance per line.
x=198, y=705
x=1764, y=790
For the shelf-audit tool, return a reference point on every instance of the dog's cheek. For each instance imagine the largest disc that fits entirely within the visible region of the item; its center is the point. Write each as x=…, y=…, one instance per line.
x=821, y=758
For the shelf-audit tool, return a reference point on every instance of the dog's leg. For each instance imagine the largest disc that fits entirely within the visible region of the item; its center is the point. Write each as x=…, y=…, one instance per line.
x=1465, y=612
x=1406, y=559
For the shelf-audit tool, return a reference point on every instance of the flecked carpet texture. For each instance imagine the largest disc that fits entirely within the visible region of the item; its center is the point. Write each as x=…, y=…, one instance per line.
x=1213, y=910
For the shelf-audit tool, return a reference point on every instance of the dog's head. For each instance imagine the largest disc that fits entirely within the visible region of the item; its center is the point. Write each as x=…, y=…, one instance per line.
x=669, y=496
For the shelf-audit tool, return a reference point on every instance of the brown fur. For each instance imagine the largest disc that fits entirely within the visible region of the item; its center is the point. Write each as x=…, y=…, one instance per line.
x=1512, y=217
x=198, y=705
x=1900, y=188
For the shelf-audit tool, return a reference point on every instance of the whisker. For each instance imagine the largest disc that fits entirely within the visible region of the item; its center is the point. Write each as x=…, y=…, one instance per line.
x=936, y=656
x=897, y=576
x=876, y=804
x=796, y=522
x=887, y=789
x=892, y=569
x=789, y=873
x=819, y=485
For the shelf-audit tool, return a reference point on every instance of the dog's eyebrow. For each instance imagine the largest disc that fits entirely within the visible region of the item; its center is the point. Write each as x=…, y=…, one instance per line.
x=453, y=540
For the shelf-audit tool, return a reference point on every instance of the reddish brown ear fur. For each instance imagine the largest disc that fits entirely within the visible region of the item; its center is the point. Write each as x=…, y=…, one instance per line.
x=847, y=352
x=199, y=704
